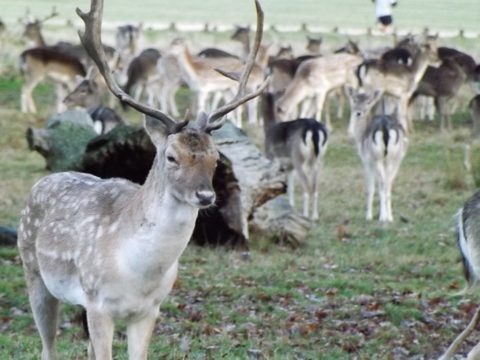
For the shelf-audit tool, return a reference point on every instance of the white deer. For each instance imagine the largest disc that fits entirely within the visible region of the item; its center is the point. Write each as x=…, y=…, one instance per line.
x=381, y=145
x=111, y=246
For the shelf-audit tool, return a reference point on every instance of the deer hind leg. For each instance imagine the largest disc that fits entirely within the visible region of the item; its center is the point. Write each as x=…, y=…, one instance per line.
x=62, y=92
x=139, y=334
x=45, y=313
x=252, y=107
x=306, y=187
x=27, y=102
x=370, y=180
x=320, y=102
x=291, y=188
x=100, y=328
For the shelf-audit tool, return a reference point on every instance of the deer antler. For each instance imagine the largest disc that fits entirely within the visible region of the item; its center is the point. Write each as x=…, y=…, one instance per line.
x=48, y=17
x=214, y=119
x=92, y=42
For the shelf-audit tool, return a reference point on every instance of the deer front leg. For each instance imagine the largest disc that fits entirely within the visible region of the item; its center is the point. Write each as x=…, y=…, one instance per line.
x=370, y=179
x=320, y=102
x=139, y=334
x=100, y=328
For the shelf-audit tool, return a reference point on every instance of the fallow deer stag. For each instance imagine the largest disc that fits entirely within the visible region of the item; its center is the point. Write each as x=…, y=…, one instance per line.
x=113, y=246
x=381, y=145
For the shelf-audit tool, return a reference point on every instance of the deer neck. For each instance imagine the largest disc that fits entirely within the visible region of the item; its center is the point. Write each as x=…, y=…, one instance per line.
x=39, y=40
x=419, y=67
x=158, y=227
x=187, y=66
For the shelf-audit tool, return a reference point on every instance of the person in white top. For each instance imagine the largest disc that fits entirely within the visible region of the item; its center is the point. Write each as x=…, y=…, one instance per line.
x=383, y=11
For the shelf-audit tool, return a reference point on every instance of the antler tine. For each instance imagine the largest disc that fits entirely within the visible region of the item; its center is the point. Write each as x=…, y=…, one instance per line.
x=92, y=42
x=52, y=15
x=240, y=98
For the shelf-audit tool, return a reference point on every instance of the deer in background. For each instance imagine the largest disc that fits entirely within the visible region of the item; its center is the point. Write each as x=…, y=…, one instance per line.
x=112, y=246
x=381, y=145
x=314, y=79
x=205, y=81
x=242, y=35
x=300, y=146
x=397, y=79
x=33, y=29
x=88, y=95
x=143, y=76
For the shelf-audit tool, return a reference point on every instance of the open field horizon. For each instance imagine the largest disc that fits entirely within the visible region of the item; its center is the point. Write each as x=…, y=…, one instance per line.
x=408, y=15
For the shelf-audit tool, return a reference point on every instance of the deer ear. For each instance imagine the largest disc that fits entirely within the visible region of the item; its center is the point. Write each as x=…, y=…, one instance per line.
x=156, y=130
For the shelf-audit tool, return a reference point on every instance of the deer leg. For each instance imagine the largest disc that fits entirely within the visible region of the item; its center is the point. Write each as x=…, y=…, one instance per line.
x=403, y=115
x=100, y=328
x=340, y=103
x=61, y=94
x=27, y=102
x=252, y=106
x=314, y=192
x=370, y=179
x=291, y=188
x=306, y=187
x=172, y=90
x=45, y=313
x=320, y=101
x=139, y=334
x=383, y=194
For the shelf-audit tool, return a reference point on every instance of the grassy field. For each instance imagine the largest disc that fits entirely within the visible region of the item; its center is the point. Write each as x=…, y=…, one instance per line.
x=437, y=14
x=356, y=290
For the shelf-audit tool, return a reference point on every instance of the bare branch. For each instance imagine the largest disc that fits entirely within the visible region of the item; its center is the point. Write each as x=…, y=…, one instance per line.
x=452, y=349
x=214, y=119
x=92, y=42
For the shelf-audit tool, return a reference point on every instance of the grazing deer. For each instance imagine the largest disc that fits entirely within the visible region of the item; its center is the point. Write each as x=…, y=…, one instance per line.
x=397, y=79
x=112, y=246
x=300, y=146
x=381, y=145
x=87, y=95
x=315, y=78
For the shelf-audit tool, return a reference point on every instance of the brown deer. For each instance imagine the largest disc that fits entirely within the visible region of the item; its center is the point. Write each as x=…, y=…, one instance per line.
x=112, y=246
x=242, y=35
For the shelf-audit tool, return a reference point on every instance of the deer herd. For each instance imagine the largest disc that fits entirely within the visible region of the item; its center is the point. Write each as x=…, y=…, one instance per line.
x=113, y=246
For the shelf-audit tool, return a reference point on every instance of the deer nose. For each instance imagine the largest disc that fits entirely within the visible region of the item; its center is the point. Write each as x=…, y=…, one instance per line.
x=205, y=197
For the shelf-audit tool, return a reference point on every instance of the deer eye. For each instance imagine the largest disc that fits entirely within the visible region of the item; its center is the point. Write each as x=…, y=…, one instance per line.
x=171, y=159
x=359, y=113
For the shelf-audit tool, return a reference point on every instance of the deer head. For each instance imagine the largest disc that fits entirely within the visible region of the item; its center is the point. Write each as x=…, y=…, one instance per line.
x=184, y=149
